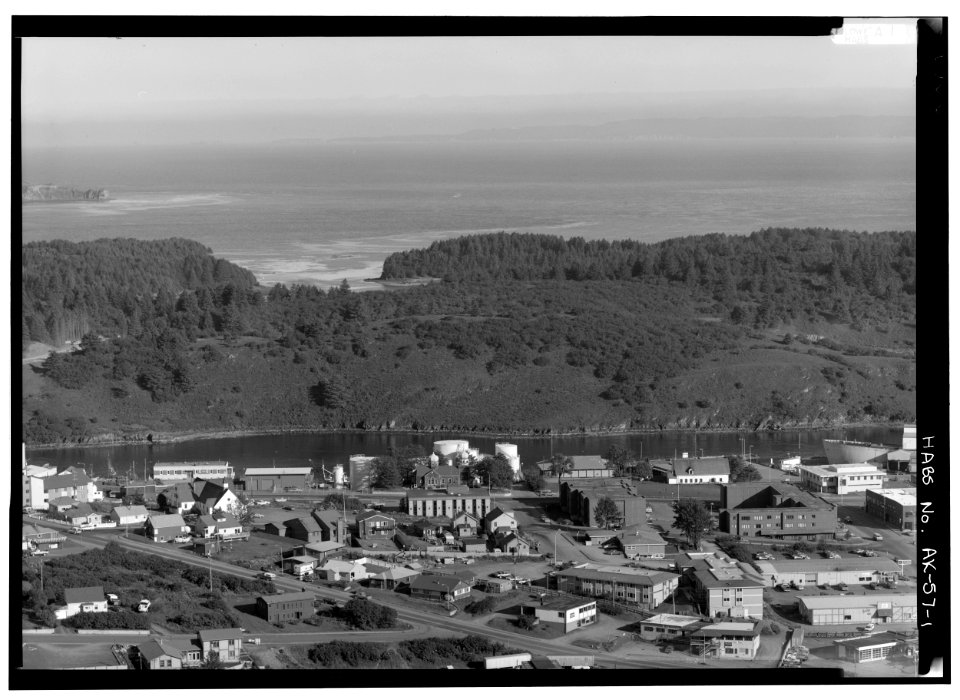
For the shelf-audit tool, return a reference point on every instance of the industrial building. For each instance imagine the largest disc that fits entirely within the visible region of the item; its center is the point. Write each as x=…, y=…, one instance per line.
x=583, y=467
x=188, y=471
x=431, y=504
x=896, y=507
x=841, y=478
x=857, y=609
x=874, y=647
x=692, y=470
x=781, y=511
x=276, y=480
x=579, y=499
x=645, y=589
x=827, y=572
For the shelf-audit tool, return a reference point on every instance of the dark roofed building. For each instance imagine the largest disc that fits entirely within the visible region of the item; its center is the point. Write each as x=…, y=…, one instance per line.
x=285, y=607
x=775, y=510
x=435, y=587
x=306, y=529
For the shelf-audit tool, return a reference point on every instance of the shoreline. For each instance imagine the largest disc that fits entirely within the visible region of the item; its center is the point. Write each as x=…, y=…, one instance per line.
x=174, y=438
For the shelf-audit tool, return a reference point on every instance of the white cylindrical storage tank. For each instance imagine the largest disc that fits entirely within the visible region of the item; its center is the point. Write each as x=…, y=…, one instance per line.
x=446, y=448
x=509, y=452
x=338, y=476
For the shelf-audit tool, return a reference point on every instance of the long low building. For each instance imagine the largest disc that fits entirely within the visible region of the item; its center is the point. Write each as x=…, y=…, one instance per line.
x=857, y=609
x=434, y=504
x=276, y=480
x=643, y=588
x=827, y=572
x=188, y=471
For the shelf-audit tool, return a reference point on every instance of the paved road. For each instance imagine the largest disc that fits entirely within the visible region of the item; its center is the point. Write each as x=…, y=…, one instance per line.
x=421, y=621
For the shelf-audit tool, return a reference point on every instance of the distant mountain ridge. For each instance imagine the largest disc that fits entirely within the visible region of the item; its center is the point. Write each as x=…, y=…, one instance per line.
x=851, y=126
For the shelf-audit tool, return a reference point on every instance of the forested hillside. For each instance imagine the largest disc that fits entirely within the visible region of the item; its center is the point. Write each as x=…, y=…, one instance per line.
x=763, y=279
x=118, y=286
x=709, y=332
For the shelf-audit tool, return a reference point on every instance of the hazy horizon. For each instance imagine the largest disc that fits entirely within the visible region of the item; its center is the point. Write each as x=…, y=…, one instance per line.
x=248, y=90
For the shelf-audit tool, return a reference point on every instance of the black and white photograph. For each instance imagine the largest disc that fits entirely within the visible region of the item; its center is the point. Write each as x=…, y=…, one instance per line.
x=365, y=353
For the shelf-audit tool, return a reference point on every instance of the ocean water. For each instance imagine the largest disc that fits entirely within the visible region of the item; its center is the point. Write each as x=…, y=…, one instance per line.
x=322, y=212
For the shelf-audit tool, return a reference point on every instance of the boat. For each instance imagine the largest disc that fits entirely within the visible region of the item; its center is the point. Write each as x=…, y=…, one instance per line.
x=852, y=452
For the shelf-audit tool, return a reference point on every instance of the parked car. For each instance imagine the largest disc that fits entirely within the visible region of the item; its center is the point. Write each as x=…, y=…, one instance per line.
x=848, y=520
x=798, y=586
x=501, y=574
x=780, y=587
x=75, y=531
x=877, y=537
x=38, y=553
x=288, y=507
x=257, y=516
x=801, y=555
x=143, y=606
x=869, y=626
x=267, y=575
x=522, y=581
x=834, y=555
x=281, y=499
x=843, y=587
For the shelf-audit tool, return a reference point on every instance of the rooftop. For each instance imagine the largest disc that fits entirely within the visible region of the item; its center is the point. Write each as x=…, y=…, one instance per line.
x=277, y=471
x=674, y=620
x=174, y=520
x=722, y=629
x=439, y=495
x=437, y=583
x=827, y=602
x=789, y=566
x=215, y=635
x=287, y=597
x=833, y=470
x=639, y=536
x=130, y=510
x=565, y=602
x=873, y=640
x=905, y=497
x=83, y=595
x=643, y=577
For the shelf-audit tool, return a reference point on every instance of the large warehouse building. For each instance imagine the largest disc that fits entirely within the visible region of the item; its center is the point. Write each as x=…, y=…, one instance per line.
x=827, y=572
x=276, y=480
x=857, y=609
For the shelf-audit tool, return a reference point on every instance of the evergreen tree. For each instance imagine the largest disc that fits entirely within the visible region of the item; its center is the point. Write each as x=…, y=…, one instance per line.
x=692, y=518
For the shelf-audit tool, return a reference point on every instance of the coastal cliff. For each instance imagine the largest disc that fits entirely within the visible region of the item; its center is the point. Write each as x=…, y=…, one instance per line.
x=60, y=193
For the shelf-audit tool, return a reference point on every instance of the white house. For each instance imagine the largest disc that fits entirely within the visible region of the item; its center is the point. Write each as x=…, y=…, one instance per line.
x=342, y=570
x=499, y=518
x=129, y=515
x=81, y=600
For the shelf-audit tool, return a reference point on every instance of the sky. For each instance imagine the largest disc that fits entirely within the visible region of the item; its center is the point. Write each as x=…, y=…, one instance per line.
x=77, y=89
